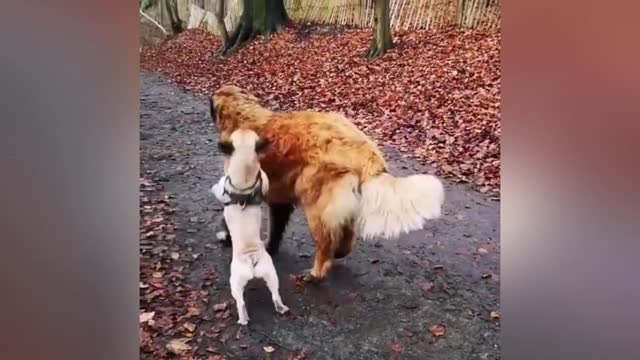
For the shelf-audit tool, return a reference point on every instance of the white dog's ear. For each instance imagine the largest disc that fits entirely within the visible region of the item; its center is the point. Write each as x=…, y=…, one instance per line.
x=218, y=189
x=265, y=182
x=262, y=145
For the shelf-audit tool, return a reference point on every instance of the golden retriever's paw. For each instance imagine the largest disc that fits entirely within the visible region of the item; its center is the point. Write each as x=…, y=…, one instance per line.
x=308, y=277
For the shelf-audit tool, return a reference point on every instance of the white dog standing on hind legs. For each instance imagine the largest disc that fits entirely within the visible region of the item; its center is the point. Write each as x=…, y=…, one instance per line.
x=242, y=192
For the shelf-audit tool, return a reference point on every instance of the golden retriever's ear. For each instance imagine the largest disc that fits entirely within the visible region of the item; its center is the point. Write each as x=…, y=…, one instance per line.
x=228, y=90
x=262, y=145
x=225, y=147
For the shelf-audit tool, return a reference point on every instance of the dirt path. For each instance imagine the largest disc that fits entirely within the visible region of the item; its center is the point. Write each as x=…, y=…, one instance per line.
x=378, y=303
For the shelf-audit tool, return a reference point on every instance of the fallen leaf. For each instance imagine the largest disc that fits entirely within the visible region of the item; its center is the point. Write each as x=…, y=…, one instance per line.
x=409, y=304
x=353, y=295
x=157, y=283
x=189, y=326
x=175, y=256
x=297, y=282
x=269, y=349
x=483, y=251
x=220, y=307
x=438, y=330
x=146, y=316
x=426, y=287
x=495, y=315
x=143, y=285
x=296, y=355
x=192, y=311
x=178, y=346
x=146, y=342
x=157, y=274
x=396, y=348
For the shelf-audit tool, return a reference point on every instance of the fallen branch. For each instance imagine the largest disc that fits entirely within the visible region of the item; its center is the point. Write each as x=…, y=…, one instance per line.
x=153, y=21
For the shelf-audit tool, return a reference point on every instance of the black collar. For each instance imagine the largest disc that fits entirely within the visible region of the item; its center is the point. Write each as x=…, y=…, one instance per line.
x=249, y=196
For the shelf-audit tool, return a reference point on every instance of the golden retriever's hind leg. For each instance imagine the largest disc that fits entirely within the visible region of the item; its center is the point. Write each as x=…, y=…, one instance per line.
x=346, y=241
x=325, y=249
x=327, y=194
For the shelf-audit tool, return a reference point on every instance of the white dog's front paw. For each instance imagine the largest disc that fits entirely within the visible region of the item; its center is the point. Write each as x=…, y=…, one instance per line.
x=215, y=189
x=281, y=308
x=243, y=316
x=218, y=188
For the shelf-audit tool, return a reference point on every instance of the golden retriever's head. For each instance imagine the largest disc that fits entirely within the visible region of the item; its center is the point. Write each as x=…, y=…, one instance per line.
x=232, y=107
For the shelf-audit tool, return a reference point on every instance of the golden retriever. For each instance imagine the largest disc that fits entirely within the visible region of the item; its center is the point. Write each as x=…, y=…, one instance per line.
x=323, y=162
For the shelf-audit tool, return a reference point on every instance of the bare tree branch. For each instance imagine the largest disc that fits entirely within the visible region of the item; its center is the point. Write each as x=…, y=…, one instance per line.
x=164, y=31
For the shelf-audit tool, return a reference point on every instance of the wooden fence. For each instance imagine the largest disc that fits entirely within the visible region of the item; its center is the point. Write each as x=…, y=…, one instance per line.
x=405, y=14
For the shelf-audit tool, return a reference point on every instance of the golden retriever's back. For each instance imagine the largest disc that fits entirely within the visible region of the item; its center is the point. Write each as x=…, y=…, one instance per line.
x=327, y=138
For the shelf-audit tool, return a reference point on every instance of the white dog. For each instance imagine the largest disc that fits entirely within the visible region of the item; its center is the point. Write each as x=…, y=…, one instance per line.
x=242, y=191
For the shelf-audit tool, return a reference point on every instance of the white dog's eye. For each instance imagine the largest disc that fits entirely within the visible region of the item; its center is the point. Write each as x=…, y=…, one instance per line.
x=225, y=147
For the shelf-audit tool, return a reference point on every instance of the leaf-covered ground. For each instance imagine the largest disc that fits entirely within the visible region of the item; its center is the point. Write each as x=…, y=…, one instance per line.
x=431, y=294
x=435, y=97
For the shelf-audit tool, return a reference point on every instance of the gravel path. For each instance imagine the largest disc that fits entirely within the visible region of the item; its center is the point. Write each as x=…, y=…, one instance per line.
x=380, y=302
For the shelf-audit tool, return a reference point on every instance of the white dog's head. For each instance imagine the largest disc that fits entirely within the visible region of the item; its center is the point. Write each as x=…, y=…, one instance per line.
x=242, y=163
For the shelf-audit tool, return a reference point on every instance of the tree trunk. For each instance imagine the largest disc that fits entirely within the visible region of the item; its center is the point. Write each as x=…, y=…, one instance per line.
x=259, y=17
x=219, y=15
x=381, y=41
x=174, y=17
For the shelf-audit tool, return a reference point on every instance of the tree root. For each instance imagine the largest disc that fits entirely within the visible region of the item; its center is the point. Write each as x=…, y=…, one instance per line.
x=376, y=50
x=256, y=20
x=373, y=52
x=242, y=35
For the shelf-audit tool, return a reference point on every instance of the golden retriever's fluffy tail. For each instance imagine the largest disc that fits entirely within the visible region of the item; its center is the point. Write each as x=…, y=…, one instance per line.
x=390, y=206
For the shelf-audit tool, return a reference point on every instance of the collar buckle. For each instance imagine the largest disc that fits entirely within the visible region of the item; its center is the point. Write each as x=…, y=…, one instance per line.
x=238, y=196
